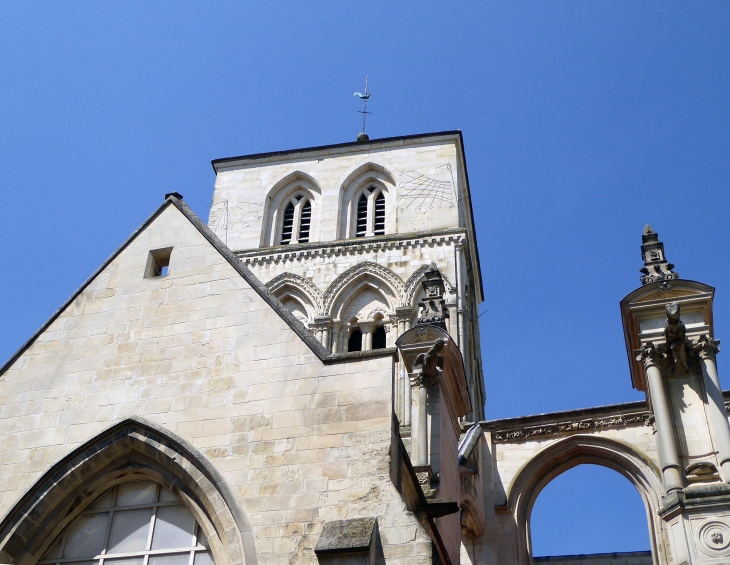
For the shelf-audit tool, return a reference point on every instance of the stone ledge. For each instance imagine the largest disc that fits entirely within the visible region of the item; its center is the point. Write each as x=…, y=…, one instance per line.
x=346, y=536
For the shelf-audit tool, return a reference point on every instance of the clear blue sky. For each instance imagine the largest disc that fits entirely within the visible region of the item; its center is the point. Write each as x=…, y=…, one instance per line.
x=582, y=120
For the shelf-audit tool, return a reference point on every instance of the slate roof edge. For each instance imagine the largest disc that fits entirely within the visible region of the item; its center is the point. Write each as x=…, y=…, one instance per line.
x=255, y=156
x=298, y=328
x=23, y=348
x=316, y=347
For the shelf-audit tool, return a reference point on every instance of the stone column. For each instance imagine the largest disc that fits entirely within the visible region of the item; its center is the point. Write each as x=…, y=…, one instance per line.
x=323, y=330
x=366, y=328
x=707, y=348
x=419, y=423
x=668, y=458
x=459, y=295
x=404, y=315
x=408, y=398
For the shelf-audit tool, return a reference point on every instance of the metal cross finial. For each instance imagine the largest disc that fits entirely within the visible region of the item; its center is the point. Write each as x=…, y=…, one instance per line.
x=364, y=97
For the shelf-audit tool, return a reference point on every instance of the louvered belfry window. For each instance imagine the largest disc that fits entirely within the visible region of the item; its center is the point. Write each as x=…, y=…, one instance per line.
x=287, y=224
x=370, y=213
x=379, y=223
x=304, y=222
x=135, y=523
x=362, y=216
x=296, y=223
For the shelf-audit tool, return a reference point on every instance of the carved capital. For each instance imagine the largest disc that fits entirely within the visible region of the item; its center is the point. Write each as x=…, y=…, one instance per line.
x=649, y=355
x=706, y=347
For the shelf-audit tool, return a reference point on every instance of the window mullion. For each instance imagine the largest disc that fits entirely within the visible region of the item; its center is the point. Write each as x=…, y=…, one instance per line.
x=297, y=222
x=371, y=215
x=153, y=518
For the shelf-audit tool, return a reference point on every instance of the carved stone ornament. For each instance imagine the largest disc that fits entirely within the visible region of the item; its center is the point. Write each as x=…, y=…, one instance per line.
x=649, y=354
x=432, y=310
x=644, y=418
x=713, y=538
x=675, y=336
x=431, y=364
x=655, y=266
x=706, y=347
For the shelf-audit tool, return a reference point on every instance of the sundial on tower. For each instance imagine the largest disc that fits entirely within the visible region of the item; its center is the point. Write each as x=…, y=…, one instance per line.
x=419, y=192
x=222, y=215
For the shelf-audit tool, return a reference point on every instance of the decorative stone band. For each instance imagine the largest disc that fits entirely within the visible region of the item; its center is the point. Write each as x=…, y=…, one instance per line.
x=286, y=253
x=574, y=421
x=643, y=418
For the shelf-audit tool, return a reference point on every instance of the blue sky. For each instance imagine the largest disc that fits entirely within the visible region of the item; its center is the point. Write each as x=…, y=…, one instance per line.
x=583, y=121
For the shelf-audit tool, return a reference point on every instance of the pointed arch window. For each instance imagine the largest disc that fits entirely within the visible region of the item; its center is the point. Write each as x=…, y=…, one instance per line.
x=296, y=220
x=370, y=212
x=141, y=522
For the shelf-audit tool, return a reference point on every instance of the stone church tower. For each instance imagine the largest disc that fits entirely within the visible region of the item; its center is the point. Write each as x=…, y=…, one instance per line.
x=290, y=383
x=300, y=382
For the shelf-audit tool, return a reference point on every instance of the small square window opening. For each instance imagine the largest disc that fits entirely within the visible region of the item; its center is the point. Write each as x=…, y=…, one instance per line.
x=158, y=263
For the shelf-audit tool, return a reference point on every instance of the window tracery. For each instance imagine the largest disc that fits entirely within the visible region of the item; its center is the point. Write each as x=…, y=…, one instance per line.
x=134, y=523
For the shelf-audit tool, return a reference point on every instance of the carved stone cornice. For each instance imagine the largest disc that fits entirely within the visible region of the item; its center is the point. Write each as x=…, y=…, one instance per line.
x=291, y=253
x=649, y=354
x=706, y=347
x=641, y=418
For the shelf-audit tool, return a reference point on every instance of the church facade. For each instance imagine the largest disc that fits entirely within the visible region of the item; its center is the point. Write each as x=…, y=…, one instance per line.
x=299, y=380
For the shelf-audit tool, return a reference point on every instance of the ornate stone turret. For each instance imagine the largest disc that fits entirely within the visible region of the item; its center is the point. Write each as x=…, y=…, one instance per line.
x=655, y=266
x=669, y=338
x=432, y=310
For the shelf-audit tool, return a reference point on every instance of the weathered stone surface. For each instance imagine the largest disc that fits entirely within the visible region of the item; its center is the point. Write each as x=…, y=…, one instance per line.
x=342, y=536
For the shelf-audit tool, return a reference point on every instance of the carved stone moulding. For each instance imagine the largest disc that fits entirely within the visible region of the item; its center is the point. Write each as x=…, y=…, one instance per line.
x=712, y=538
x=343, y=247
x=643, y=418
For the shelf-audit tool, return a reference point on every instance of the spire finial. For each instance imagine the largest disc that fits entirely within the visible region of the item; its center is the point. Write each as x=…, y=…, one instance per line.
x=655, y=266
x=362, y=136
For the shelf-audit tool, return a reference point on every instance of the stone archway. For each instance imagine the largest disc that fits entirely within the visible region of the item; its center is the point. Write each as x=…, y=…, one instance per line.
x=133, y=449
x=570, y=452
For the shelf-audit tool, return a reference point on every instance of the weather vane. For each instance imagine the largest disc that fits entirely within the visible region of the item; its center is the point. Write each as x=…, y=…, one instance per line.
x=364, y=97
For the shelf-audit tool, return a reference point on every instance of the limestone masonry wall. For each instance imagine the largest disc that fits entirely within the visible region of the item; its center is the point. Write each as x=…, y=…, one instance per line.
x=201, y=354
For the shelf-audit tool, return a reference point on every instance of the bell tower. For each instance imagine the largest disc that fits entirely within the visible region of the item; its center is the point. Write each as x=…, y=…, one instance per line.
x=670, y=343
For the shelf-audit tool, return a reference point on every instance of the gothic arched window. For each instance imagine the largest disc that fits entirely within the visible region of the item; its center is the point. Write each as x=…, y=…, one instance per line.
x=370, y=212
x=296, y=220
x=142, y=522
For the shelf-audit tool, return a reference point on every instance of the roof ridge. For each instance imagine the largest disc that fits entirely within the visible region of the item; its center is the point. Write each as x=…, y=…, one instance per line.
x=172, y=200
